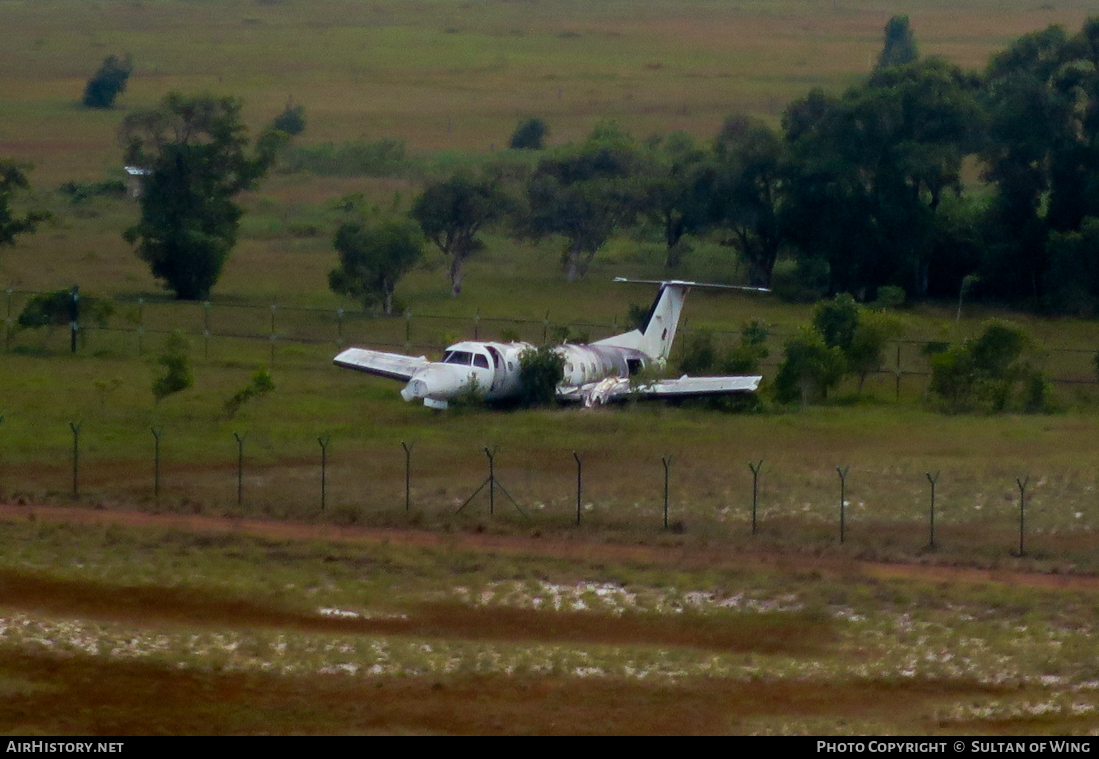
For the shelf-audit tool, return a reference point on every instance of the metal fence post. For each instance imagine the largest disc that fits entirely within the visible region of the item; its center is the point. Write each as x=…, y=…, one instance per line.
x=323, y=440
x=140, y=326
x=407, y=330
x=1022, y=513
x=74, y=317
x=667, y=461
x=842, y=472
x=339, y=328
x=7, y=321
x=491, y=479
x=897, y=373
x=206, y=330
x=273, y=309
x=933, y=481
x=579, y=481
x=408, y=475
x=755, y=490
x=157, y=431
x=240, y=468
x=75, y=427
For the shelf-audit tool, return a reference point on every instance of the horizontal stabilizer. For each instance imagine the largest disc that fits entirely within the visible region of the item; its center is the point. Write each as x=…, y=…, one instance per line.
x=392, y=365
x=684, y=283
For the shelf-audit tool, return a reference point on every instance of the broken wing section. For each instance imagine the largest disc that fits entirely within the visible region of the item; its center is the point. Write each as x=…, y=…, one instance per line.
x=618, y=388
x=392, y=365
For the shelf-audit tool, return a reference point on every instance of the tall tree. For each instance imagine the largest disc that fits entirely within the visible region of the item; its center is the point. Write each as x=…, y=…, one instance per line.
x=373, y=258
x=452, y=214
x=13, y=180
x=676, y=188
x=529, y=135
x=199, y=156
x=748, y=193
x=870, y=169
x=584, y=193
x=108, y=82
x=899, y=47
x=1042, y=156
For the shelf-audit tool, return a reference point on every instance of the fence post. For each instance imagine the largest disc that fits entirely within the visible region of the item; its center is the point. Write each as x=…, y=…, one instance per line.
x=408, y=475
x=240, y=468
x=897, y=374
x=157, y=431
x=1022, y=512
x=75, y=427
x=140, y=326
x=206, y=330
x=407, y=330
x=339, y=328
x=667, y=461
x=491, y=478
x=1, y=460
x=755, y=489
x=933, y=481
x=273, y=309
x=74, y=317
x=842, y=472
x=579, y=481
x=323, y=440
x=545, y=329
x=477, y=325
x=7, y=321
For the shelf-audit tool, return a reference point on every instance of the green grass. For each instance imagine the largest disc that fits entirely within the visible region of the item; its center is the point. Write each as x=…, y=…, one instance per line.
x=106, y=629
x=103, y=627
x=448, y=75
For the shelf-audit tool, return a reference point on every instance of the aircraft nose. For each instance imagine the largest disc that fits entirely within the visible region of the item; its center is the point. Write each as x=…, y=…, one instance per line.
x=417, y=388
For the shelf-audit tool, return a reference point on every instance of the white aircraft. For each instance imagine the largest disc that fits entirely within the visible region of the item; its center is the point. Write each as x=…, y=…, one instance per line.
x=594, y=373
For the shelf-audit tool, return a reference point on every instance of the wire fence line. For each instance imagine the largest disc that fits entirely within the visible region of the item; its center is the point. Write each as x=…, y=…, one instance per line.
x=1057, y=509
x=134, y=325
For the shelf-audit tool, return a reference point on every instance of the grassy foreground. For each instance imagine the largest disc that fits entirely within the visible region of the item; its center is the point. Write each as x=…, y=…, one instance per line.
x=136, y=614
x=108, y=629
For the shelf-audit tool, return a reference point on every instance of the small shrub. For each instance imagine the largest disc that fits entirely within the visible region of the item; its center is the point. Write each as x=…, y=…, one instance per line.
x=56, y=309
x=988, y=371
x=697, y=353
x=805, y=281
x=177, y=374
x=261, y=384
x=291, y=120
x=810, y=369
x=471, y=396
x=108, y=82
x=81, y=192
x=529, y=135
x=889, y=296
x=540, y=372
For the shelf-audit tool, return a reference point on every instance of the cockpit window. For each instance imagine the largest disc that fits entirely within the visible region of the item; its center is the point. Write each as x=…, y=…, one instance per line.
x=479, y=360
x=458, y=357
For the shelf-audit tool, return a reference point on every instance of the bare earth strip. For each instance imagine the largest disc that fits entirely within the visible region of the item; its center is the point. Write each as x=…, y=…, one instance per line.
x=681, y=556
x=95, y=697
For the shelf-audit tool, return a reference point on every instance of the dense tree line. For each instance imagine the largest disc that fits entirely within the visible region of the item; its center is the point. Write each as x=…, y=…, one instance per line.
x=852, y=192
x=859, y=190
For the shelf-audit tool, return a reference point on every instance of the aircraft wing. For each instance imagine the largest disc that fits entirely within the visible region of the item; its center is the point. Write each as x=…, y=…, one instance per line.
x=392, y=365
x=618, y=388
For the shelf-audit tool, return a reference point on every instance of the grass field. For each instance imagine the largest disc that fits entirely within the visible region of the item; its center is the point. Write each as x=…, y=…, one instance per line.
x=124, y=613
x=112, y=629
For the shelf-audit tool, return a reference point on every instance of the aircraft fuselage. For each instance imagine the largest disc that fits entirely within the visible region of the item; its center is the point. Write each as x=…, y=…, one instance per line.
x=492, y=370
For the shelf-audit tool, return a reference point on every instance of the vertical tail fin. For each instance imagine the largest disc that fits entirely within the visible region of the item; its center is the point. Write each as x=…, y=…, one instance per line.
x=655, y=335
